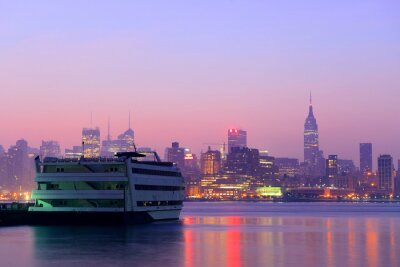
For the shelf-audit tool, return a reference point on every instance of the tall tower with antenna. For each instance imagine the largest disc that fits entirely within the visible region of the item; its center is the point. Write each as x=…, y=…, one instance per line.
x=311, y=140
x=127, y=138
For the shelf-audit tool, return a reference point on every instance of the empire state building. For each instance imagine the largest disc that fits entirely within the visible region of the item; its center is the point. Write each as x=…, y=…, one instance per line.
x=311, y=142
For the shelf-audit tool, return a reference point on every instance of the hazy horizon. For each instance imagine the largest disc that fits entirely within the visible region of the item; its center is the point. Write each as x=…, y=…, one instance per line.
x=189, y=71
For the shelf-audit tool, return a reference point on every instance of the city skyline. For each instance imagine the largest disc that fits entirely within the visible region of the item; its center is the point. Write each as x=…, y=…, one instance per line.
x=199, y=147
x=189, y=76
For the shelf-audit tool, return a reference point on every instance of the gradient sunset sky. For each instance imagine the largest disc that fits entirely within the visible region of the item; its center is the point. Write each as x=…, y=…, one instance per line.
x=189, y=70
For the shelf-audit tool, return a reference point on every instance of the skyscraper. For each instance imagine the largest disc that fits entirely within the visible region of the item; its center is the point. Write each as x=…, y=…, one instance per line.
x=210, y=162
x=236, y=138
x=386, y=173
x=311, y=141
x=332, y=169
x=176, y=155
x=243, y=160
x=365, y=158
x=287, y=166
x=124, y=143
x=50, y=149
x=20, y=166
x=91, y=142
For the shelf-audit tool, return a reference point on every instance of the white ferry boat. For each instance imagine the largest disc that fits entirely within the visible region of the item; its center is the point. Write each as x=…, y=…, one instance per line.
x=126, y=189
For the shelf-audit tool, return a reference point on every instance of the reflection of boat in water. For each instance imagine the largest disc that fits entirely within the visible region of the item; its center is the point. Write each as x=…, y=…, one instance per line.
x=126, y=189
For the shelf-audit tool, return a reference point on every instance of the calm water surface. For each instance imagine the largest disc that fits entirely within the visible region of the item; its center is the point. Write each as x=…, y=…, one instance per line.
x=222, y=234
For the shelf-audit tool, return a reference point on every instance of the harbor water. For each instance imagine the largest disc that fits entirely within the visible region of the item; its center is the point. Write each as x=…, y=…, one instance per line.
x=221, y=234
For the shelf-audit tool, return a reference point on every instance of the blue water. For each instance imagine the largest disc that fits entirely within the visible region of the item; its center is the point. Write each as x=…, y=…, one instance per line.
x=222, y=234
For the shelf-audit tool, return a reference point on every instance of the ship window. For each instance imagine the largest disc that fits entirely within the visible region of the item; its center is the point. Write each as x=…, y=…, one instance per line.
x=112, y=169
x=158, y=203
x=158, y=187
x=119, y=186
x=156, y=172
x=53, y=186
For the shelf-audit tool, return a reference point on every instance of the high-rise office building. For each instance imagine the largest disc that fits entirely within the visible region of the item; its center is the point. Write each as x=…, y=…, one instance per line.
x=124, y=143
x=332, y=169
x=20, y=166
x=311, y=142
x=267, y=167
x=50, y=149
x=236, y=138
x=210, y=162
x=176, y=155
x=73, y=153
x=365, y=158
x=91, y=142
x=386, y=173
x=287, y=166
x=243, y=160
x=127, y=141
x=346, y=167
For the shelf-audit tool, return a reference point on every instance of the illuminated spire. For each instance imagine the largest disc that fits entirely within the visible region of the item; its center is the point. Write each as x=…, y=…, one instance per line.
x=310, y=109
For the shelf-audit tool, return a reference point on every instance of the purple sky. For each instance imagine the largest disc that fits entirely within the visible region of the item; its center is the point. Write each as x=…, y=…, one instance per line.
x=189, y=70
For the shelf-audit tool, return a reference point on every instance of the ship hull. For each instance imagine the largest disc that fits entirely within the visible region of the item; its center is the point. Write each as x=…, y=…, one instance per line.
x=85, y=218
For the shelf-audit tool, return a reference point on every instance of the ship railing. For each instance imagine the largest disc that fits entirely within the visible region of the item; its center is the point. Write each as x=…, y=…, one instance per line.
x=14, y=206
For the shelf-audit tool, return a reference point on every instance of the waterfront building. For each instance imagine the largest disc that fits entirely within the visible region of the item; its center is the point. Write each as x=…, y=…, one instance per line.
x=346, y=167
x=269, y=191
x=91, y=142
x=311, y=142
x=73, y=153
x=386, y=174
x=50, y=149
x=191, y=170
x=176, y=155
x=192, y=189
x=236, y=138
x=243, y=160
x=287, y=167
x=365, y=158
x=225, y=186
x=210, y=162
x=20, y=167
x=267, y=168
x=332, y=170
x=397, y=185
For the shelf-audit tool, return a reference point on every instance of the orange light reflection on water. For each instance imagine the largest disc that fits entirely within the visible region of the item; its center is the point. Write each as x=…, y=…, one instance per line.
x=281, y=241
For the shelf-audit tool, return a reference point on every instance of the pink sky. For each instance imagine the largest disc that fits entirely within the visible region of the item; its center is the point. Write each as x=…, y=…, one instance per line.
x=189, y=72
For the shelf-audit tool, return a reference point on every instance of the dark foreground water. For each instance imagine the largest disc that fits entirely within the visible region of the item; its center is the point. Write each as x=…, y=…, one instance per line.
x=222, y=234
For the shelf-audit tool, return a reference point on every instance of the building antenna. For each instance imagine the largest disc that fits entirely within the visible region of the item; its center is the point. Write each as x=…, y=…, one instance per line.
x=129, y=121
x=91, y=119
x=310, y=99
x=109, y=136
